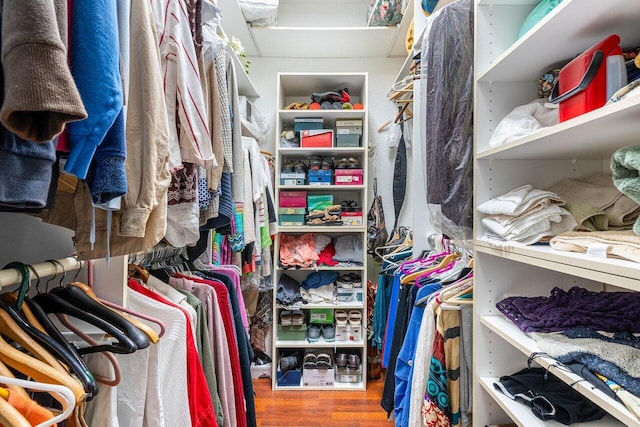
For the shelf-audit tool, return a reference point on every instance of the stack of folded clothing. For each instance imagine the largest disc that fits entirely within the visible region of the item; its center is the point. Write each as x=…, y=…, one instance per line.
x=596, y=203
x=526, y=216
x=319, y=286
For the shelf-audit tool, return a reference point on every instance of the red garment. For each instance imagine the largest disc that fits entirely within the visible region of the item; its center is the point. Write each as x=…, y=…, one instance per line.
x=325, y=257
x=222, y=295
x=200, y=406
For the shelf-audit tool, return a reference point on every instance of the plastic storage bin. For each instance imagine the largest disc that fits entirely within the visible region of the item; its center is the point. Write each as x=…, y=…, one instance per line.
x=316, y=138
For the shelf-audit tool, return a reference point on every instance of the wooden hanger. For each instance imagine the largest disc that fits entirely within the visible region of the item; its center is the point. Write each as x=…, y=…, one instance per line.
x=38, y=370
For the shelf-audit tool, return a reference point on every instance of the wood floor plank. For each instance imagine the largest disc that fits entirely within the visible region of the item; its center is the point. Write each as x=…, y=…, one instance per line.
x=330, y=408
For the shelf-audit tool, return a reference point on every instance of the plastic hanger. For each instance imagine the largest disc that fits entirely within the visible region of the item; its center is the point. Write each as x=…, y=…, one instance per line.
x=122, y=311
x=10, y=416
x=62, y=394
x=110, y=356
x=411, y=277
x=51, y=304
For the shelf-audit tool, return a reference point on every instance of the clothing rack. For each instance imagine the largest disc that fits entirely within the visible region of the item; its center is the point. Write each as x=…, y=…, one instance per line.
x=12, y=276
x=158, y=253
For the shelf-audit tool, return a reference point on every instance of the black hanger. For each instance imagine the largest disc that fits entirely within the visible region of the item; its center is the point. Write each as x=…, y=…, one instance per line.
x=51, y=303
x=66, y=354
x=81, y=300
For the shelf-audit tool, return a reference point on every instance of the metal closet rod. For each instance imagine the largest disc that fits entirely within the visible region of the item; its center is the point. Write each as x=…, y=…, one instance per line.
x=12, y=276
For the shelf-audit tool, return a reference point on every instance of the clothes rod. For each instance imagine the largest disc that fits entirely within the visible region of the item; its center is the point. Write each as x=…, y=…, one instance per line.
x=12, y=276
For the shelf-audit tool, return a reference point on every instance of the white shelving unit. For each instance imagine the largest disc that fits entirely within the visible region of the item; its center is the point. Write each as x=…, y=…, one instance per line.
x=298, y=87
x=507, y=70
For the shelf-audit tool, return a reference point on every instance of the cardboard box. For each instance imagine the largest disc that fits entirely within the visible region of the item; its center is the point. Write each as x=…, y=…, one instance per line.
x=342, y=333
x=291, y=216
x=260, y=371
x=319, y=201
x=307, y=123
x=293, y=199
x=293, y=178
x=349, y=127
x=347, y=375
x=352, y=218
x=321, y=315
x=348, y=177
x=350, y=294
x=354, y=332
x=316, y=138
x=318, y=377
x=320, y=177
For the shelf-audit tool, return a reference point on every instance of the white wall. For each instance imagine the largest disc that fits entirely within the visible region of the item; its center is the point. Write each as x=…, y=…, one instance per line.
x=382, y=72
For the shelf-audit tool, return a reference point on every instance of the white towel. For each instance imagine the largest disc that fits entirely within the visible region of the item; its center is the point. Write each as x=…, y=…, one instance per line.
x=522, y=224
x=519, y=201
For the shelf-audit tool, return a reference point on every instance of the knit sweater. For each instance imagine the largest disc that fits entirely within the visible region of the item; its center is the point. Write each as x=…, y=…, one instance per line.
x=40, y=94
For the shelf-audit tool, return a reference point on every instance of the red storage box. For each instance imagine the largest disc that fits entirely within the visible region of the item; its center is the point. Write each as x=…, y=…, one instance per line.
x=348, y=177
x=293, y=199
x=316, y=138
x=582, y=83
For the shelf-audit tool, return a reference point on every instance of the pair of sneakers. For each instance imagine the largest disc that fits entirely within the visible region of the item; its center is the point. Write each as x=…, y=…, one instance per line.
x=315, y=331
x=348, y=360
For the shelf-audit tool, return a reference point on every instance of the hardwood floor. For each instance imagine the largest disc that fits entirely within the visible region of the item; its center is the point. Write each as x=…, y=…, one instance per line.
x=319, y=408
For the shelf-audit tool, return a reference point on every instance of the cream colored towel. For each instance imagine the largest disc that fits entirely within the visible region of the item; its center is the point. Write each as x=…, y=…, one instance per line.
x=602, y=244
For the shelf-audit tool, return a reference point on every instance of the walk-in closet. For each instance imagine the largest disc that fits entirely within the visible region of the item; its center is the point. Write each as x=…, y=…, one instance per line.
x=254, y=213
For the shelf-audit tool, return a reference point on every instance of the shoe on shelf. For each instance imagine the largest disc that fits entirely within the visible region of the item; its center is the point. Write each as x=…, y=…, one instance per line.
x=329, y=333
x=323, y=361
x=313, y=332
x=285, y=318
x=297, y=317
x=341, y=317
x=355, y=318
x=260, y=357
x=353, y=361
x=341, y=360
x=290, y=362
x=287, y=166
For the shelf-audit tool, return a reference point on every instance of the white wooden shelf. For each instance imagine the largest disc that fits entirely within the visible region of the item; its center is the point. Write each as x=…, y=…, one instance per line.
x=289, y=115
x=522, y=415
x=245, y=85
x=594, y=135
x=319, y=344
x=323, y=268
x=336, y=386
x=591, y=21
x=625, y=274
x=323, y=151
x=321, y=229
x=336, y=305
x=322, y=187
x=514, y=336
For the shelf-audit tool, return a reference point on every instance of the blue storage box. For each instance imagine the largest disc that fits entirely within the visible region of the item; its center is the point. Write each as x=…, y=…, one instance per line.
x=307, y=123
x=320, y=177
x=290, y=378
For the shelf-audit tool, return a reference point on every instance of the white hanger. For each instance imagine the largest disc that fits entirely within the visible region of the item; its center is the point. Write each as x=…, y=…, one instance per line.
x=62, y=394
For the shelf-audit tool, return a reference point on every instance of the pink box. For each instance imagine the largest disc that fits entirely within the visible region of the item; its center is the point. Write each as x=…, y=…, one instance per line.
x=348, y=177
x=293, y=199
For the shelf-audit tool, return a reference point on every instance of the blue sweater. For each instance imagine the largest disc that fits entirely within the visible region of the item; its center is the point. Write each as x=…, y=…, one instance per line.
x=95, y=65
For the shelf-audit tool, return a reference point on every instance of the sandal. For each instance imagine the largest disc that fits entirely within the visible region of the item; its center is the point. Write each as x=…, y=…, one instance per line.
x=297, y=317
x=285, y=318
x=326, y=165
x=355, y=318
x=353, y=163
x=355, y=279
x=341, y=317
x=315, y=163
x=349, y=205
x=345, y=281
x=299, y=166
x=323, y=361
x=309, y=361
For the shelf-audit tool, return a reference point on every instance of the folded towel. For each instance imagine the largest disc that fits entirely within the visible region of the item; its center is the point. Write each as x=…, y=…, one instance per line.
x=521, y=224
x=538, y=233
x=596, y=203
x=605, y=244
x=625, y=164
x=519, y=201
